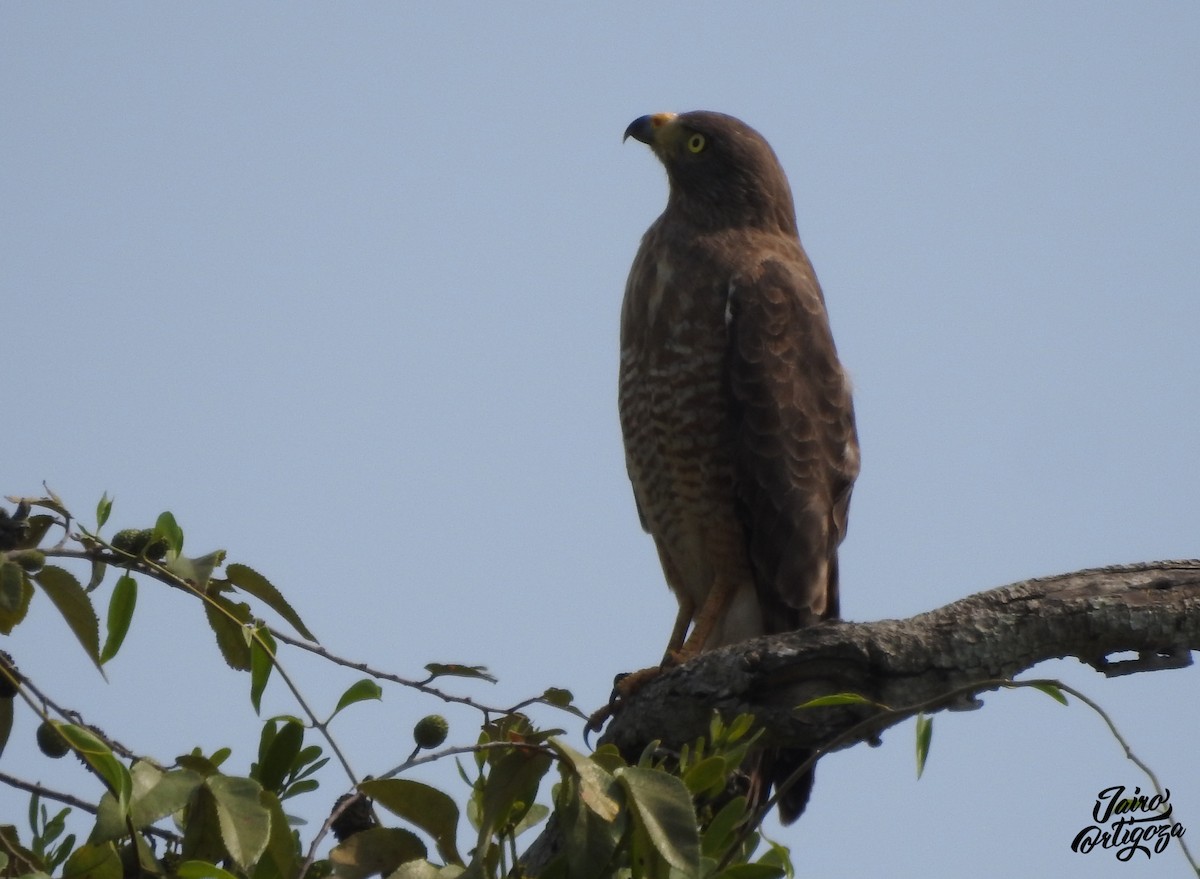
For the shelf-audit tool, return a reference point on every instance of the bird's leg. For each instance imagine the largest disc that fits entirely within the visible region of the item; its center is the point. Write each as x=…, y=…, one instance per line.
x=626, y=685
x=678, y=650
x=683, y=619
x=716, y=604
x=631, y=683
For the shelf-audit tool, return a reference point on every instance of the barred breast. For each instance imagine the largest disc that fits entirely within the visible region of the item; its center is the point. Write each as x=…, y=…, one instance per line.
x=674, y=411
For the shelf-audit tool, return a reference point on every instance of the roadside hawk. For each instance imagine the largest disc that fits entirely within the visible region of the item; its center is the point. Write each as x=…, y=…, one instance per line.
x=736, y=413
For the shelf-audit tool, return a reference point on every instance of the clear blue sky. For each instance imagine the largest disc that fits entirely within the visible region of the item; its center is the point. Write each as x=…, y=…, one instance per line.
x=338, y=285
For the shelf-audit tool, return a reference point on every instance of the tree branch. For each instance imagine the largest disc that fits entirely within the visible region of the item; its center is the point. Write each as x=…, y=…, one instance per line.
x=933, y=661
x=1152, y=609
x=930, y=662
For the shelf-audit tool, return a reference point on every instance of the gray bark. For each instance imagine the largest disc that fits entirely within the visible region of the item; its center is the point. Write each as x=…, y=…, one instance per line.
x=1152, y=609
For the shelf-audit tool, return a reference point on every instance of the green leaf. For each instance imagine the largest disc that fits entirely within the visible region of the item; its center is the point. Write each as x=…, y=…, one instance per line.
x=265, y=739
x=1050, y=690
x=157, y=794
x=509, y=791
x=838, y=699
x=924, y=736
x=74, y=605
x=6, y=721
x=596, y=784
x=143, y=857
x=198, y=570
x=280, y=755
x=425, y=807
x=249, y=580
x=198, y=763
x=738, y=728
x=103, y=509
x=309, y=755
x=21, y=861
x=36, y=529
x=454, y=670
x=718, y=836
x=300, y=787
x=99, y=569
x=533, y=817
x=202, y=830
x=281, y=854
x=588, y=841
x=15, y=594
x=662, y=807
x=54, y=826
x=245, y=823
x=202, y=870
x=360, y=691
x=110, y=821
x=262, y=662
x=558, y=696
x=227, y=620
x=715, y=727
x=99, y=756
x=120, y=614
x=166, y=528
x=608, y=758
x=418, y=869
x=154, y=795
x=94, y=862
x=378, y=850
x=777, y=856
x=707, y=776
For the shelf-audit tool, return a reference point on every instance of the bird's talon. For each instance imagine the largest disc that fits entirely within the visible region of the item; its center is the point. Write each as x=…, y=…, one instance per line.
x=624, y=686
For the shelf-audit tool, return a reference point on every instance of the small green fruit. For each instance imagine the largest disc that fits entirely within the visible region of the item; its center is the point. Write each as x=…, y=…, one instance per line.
x=430, y=731
x=51, y=741
x=128, y=540
x=32, y=560
x=136, y=541
x=156, y=551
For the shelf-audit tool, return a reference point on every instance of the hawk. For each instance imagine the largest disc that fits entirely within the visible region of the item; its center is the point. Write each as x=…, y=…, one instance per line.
x=736, y=412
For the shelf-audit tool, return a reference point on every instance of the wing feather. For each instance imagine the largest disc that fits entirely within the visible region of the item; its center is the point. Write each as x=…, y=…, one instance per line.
x=796, y=446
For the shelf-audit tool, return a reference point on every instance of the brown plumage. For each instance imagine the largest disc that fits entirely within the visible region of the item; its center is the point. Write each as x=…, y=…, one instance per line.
x=738, y=423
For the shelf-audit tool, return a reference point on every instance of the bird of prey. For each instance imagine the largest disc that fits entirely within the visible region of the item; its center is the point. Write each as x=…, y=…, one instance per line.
x=736, y=412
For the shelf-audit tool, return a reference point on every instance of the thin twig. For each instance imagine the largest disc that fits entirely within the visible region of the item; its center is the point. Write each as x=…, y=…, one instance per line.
x=419, y=686
x=1128, y=753
x=150, y=568
x=75, y=803
x=321, y=726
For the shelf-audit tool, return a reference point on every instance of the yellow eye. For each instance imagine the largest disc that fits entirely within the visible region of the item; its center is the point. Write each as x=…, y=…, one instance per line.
x=696, y=143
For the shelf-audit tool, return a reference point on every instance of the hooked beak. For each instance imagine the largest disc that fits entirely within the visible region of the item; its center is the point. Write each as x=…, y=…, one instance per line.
x=646, y=128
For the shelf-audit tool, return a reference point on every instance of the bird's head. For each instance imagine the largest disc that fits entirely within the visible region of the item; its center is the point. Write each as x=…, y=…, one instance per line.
x=722, y=172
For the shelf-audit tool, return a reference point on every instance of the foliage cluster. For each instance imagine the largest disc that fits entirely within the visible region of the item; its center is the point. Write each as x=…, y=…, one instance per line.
x=667, y=814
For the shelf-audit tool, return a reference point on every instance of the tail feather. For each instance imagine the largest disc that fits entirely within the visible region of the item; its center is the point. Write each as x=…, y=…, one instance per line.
x=774, y=769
